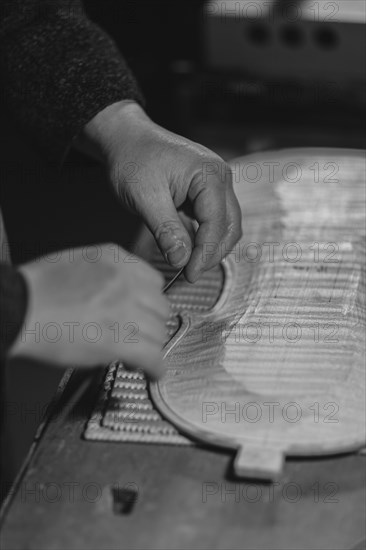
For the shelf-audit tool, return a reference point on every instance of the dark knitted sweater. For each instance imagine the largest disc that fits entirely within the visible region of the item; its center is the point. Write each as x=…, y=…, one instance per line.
x=57, y=70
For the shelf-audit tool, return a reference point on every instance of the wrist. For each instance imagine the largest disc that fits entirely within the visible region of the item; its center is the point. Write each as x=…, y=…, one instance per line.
x=109, y=129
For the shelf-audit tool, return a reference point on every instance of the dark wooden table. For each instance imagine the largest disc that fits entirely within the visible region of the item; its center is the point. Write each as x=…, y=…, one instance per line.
x=77, y=494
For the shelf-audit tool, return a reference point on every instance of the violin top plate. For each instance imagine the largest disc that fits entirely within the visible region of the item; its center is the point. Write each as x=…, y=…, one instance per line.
x=277, y=366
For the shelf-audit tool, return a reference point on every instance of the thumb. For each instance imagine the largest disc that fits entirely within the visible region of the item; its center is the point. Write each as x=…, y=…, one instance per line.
x=163, y=220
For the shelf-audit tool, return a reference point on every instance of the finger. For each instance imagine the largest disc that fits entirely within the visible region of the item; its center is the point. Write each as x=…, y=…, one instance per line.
x=148, y=276
x=162, y=218
x=141, y=269
x=209, y=206
x=234, y=223
x=154, y=332
x=140, y=324
x=189, y=222
x=155, y=304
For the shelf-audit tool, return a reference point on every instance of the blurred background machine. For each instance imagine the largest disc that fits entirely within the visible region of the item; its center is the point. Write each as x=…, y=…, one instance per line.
x=306, y=41
x=246, y=75
x=293, y=71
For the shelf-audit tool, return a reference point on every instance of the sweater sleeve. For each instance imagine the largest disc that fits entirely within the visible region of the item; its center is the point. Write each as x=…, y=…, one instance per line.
x=58, y=70
x=13, y=305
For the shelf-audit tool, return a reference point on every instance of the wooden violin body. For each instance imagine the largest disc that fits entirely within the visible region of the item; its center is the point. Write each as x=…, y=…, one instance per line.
x=277, y=367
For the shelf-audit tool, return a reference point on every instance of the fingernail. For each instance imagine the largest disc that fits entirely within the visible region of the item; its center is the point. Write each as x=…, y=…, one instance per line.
x=177, y=255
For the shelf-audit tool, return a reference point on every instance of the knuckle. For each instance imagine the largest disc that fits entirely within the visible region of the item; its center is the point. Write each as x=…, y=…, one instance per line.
x=224, y=175
x=227, y=178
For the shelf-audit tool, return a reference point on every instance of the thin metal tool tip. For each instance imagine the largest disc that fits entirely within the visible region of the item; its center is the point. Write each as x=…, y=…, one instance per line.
x=172, y=281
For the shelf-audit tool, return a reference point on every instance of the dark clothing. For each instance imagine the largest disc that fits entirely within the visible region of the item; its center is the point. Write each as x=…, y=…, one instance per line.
x=13, y=297
x=13, y=305
x=57, y=71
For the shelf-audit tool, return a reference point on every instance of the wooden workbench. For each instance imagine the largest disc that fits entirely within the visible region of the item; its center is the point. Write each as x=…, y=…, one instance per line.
x=177, y=496
x=74, y=494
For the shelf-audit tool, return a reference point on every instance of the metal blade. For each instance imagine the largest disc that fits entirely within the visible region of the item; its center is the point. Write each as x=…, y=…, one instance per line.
x=172, y=281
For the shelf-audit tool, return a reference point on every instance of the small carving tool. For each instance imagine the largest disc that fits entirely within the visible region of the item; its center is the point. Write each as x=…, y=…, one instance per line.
x=172, y=281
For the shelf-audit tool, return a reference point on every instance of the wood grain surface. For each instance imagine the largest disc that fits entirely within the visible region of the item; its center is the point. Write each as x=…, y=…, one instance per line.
x=277, y=367
x=186, y=496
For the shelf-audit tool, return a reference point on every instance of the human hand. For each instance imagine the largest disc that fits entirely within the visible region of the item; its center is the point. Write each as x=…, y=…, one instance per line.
x=155, y=173
x=89, y=312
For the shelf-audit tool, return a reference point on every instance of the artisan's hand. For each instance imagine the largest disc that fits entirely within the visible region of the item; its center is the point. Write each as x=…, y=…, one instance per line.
x=156, y=172
x=93, y=306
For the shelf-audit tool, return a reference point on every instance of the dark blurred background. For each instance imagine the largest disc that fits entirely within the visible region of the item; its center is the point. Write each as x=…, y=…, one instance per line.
x=237, y=76
x=243, y=76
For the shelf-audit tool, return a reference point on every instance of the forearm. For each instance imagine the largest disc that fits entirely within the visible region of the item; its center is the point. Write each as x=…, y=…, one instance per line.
x=108, y=126
x=110, y=129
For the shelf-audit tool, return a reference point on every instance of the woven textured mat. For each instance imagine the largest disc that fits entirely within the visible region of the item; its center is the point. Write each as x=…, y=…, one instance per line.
x=124, y=410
